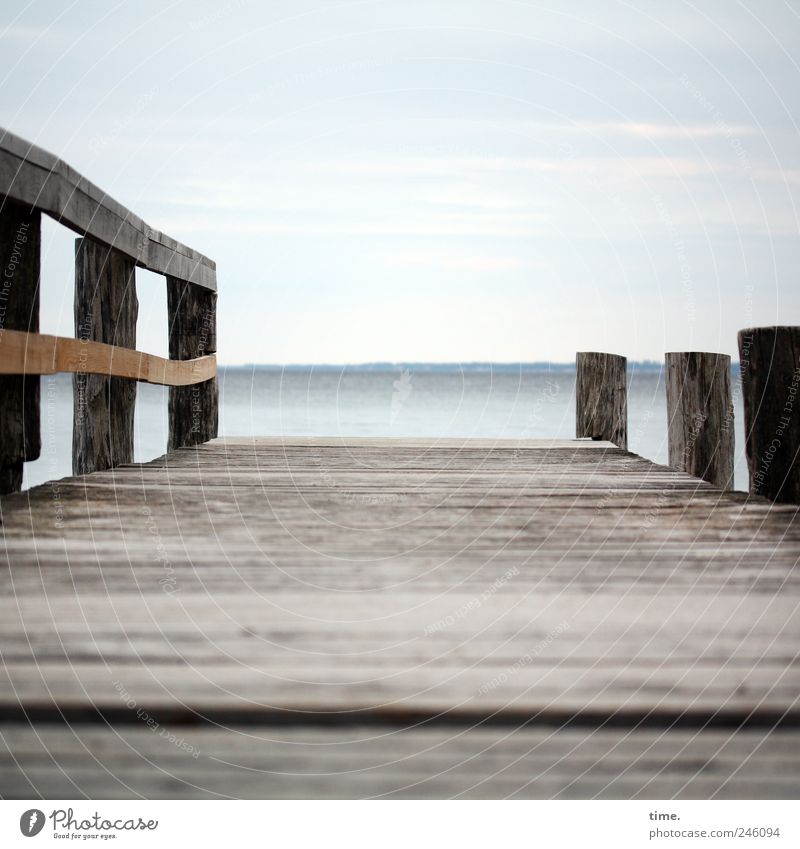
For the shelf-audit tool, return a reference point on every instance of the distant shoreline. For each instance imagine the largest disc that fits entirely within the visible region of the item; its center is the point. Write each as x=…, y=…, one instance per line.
x=633, y=366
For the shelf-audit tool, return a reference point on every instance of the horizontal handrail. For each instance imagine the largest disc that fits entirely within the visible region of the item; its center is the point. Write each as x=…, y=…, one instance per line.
x=38, y=353
x=33, y=176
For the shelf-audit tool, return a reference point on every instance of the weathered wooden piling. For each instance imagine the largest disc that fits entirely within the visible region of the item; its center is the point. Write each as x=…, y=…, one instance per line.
x=770, y=375
x=700, y=415
x=601, y=397
x=106, y=309
x=192, y=316
x=20, y=251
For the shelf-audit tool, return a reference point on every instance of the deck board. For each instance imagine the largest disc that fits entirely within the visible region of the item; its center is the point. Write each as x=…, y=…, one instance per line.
x=498, y=617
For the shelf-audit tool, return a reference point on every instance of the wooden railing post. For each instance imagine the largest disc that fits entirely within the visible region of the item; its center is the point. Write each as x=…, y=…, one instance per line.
x=106, y=309
x=20, y=255
x=601, y=397
x=770, y=374
x=192, y=316
x=700, y=415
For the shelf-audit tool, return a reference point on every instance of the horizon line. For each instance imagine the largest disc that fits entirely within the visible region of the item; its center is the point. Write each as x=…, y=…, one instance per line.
x=450, y=364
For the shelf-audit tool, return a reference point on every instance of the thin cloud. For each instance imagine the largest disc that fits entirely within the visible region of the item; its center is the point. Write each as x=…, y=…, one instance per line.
x=455, y=261
x=692, y=131
x=642, y=166
x=297, y=224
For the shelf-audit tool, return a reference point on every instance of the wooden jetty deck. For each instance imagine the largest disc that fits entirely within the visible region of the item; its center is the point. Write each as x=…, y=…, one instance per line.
x=390, y=618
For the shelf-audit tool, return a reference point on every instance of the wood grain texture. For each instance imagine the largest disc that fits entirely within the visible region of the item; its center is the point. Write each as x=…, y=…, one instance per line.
x=20, y=250
x=601, y=397
x=700, y=415
x=192, y=321
x=770, y=375
x=40, y=180
x=39, y=353
x=376, y=617
x=435, y=762
x=106, y=309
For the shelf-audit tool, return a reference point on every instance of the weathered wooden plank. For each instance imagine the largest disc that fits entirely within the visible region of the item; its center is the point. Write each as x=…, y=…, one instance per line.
x=525, y=652
x=477, y=445
x=700, y=415
x=40, y=180
x=20, y=249
x=230, y=691
x=601, y=397
x=770, y=374
x=39, y=353
x=164, y=760
x=106, y=309
x=192, y=319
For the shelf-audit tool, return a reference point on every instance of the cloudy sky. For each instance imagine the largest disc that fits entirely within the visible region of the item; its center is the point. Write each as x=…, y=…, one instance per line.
x=433, y=179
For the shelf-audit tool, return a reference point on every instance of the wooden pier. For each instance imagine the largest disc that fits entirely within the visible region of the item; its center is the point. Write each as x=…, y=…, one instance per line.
x=399, y=618
x=378, y=618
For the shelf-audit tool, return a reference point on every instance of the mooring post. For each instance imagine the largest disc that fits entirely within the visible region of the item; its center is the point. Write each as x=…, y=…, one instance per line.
x=601, y=397
x=770, y=372
x=700, y=415
x=106, y=309
x=192, y=317
x=20, y=255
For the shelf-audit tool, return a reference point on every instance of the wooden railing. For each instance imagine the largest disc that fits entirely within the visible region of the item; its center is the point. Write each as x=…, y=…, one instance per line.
x=102, y=357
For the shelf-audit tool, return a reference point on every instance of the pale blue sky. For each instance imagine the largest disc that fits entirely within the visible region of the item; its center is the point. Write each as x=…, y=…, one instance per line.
x=445, y=181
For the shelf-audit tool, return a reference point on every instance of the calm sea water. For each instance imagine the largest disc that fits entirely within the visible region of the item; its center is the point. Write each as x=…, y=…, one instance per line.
x=414, y=400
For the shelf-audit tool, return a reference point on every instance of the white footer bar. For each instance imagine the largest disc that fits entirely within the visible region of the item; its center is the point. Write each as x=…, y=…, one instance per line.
x=404, y=825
